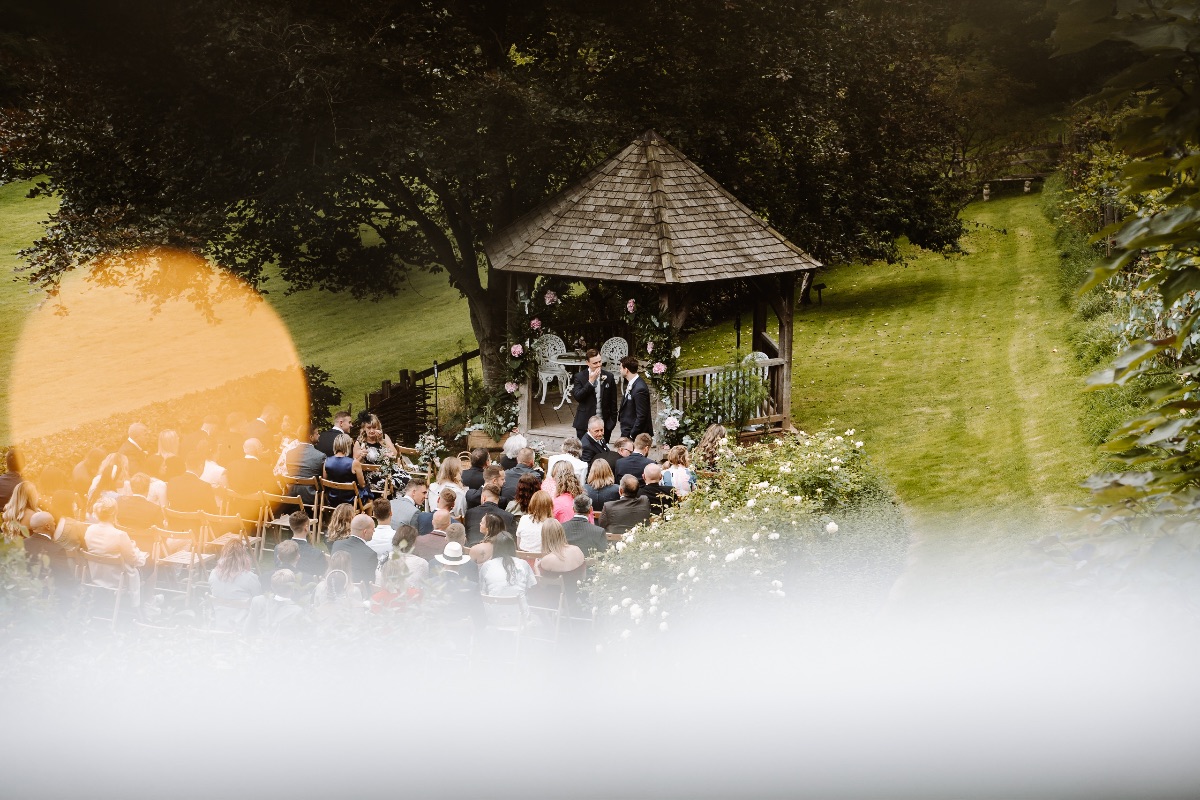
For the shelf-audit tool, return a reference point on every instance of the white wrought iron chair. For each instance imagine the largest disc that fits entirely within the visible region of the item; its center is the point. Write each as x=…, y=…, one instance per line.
x=612, y=352
x=549, y=370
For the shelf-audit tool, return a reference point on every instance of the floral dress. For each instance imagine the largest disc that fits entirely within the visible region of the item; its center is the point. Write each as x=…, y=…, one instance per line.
x=373, y=454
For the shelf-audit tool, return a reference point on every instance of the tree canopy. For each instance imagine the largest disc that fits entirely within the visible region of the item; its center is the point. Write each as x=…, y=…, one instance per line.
x=351, y=143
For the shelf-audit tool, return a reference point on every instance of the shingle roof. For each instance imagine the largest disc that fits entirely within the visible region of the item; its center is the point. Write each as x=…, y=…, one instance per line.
x=648, y=215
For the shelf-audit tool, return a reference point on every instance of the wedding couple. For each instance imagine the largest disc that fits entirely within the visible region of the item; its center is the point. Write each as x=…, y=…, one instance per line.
x=595, y=392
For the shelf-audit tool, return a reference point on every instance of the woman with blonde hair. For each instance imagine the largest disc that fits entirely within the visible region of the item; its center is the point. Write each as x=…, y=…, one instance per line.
x=20, y=510
x=375, y=448
x=566, y=488
x=168, y=446
x=113, y=476
x=339, y=524
x=560, y=555
x=342, y=468
x=449, y=477
x=233, y=583
x=104, y=538
x=678, y=473
x=601, y=485
x=529, y=529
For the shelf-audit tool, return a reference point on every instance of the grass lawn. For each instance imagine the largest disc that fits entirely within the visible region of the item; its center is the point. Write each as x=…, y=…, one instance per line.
x=360, y=343
x=952, y=370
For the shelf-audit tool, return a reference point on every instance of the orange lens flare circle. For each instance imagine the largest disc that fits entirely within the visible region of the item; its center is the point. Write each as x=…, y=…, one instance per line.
x=138, y=336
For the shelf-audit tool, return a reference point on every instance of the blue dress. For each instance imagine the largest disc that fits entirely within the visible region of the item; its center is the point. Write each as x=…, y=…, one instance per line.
x=340, y=469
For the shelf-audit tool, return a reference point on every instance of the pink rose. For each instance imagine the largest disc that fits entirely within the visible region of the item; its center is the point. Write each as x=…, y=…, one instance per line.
x=535, y=323
x=659, y=368
x=551, y=298
x=630, y=306
x=671, y=424
x=649, y=347
x=510, y=387
x=517, y=351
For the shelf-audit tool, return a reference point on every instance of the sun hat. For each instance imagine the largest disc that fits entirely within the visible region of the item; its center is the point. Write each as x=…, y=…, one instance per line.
x=453, y=554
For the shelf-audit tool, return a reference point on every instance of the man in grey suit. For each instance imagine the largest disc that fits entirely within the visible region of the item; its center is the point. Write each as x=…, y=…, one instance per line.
x=304, y=461
x=626, y=512
x=587, y=537
x=407, y=508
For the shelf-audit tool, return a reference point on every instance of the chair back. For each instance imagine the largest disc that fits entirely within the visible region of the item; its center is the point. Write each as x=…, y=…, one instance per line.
x=615, y=537
x=184, y=520
x=545, y=349
x=105, y=574
x=612, y=351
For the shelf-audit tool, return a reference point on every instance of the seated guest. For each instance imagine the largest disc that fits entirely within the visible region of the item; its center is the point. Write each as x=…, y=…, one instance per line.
x=337, y=589
x=628, y=511
x=492, y=476
x=225, y=446
x=706, y=449
x=601, y=486
x=529, y=528
x=188, y=492
x=104, y=538
x=490, y=526
x=593, y=445
x=263, y=427
x=446, y=501
x=339, y=525
x=19, y=511
x=679, y=474
x=580, y=531
x=571, y=452
x=48, y=558
x=173, y=467
x=430, y=544
x=529, y=485
x=277, y=614
x=312, y=562
x=381, y=539
x=512, y=446
x=524, y=466
x=81, y=475
x=113, y=476
x=214, y=473
x=472, y=477
x=490, y=505
x=403, y=544
x=340, y=467
x=303, y=460
x=395, y=589
x=560, y=555
x=55, y=494
x=136, y=447
x=635, y=463
x=136, y=513
x=457, y=534
x=251, y=473
x=449, y=477
x=287, y=556
x=374, y=448
x=661, y=497
x=406, y=507
x=456, y=576
x=566, y=489
x=341, y=425
x=235, y=582
x=168, y=447
x=505, y=575
x=364, y=561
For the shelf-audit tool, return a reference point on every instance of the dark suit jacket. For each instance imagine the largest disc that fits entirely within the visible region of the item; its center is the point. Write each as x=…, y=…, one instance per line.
x=249, y=475
x=592, y=449
x=585, y=401
x=587, y=537
x=135, y=454
x=313, y=561
x=620, y=515
x=325, y=443
x=423, y=523
x=363, y=560
x=137, y=513
x=633, y=464
x=635, y=409
x=8, y=485
x=661, y=497
x=602, y=496
x=187, y=492
x=49, y=557
x=475, y=517
x=472, y=478
x=511, y=477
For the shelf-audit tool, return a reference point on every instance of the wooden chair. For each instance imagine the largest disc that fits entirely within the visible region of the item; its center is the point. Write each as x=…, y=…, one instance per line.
x=183, y=520
x=191, y=558
x=114, y=563
x=219, y=609
x=221, y=529
x=322, y=498
x=503, y=615
x=615, y=537
x=312, y=483
x=276, y=508
x=387, y=479
x=548, y=599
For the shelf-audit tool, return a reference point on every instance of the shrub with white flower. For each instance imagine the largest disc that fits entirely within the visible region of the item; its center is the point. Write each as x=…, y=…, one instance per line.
x=750, y=530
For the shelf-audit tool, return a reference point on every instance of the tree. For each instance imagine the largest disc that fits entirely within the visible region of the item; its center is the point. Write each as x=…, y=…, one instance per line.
x=351, y=143
x=1159, y=132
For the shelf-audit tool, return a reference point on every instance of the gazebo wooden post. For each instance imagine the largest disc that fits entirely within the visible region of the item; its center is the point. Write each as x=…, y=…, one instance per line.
x=787, y=285
x=517, y=282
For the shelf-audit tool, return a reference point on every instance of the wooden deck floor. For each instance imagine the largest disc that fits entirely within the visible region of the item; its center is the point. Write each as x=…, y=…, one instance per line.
x=548, y=424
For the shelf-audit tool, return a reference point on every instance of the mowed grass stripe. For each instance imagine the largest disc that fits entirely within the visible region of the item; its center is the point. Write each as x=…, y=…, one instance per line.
x=947, y=367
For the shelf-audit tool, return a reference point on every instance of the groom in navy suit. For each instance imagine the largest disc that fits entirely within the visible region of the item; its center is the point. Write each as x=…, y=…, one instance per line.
x=635, y=406
x=586, y=387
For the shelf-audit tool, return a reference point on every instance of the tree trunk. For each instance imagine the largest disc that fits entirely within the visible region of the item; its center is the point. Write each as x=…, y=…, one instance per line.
x=489, y=321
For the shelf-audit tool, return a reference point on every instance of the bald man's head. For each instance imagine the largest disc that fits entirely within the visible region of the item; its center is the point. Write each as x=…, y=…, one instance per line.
x=652, y=473
x=441, y=520
x=42, y=522
x=363, y=526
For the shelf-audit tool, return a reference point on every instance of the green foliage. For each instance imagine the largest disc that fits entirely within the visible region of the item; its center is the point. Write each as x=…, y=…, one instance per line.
x=323, y=395
x=805, y=509
x=1159, y=243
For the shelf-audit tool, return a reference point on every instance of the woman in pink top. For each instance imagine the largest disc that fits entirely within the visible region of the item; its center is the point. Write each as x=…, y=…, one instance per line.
x=566, y=489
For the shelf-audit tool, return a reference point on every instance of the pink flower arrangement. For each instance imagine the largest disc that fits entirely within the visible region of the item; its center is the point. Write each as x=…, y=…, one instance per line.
x=659, y=368
x=517, y=351
x=551, y=298
x=510, y=387
x=630, y=306
x=535, y=323
x=671, y=424
x=649, y=347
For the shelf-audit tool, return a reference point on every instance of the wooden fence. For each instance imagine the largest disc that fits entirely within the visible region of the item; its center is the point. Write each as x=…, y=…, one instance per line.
x=726, y=383
x=407, y=406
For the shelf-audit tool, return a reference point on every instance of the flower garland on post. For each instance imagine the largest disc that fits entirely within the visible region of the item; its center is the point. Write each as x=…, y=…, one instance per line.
x=655, y=344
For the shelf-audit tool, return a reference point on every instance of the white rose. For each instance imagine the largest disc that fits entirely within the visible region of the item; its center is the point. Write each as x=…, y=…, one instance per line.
x=625, y=634
x=626, y=602
x=635, y=612
x=831, y=528
x=620, y=546
x=691, y=573
x=772, y=536
x=714, y=504
x=614, y=609
x=858, y=444
x=750, y=503
x=777, y=584
x=645, y=565
x=662, y=626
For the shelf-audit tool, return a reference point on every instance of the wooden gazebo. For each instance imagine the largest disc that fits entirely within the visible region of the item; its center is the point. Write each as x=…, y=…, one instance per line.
x=648, y=215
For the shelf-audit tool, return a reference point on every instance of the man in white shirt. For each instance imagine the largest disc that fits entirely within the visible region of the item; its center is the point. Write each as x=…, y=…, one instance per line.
x=572, y=449
x=381, y=540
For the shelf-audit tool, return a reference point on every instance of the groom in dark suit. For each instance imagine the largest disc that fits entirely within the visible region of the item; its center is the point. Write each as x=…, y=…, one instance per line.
x=635, y=406
x=590, y=386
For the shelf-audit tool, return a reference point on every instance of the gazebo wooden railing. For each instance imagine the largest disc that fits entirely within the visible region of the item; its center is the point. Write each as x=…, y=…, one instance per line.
x=695, y=382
